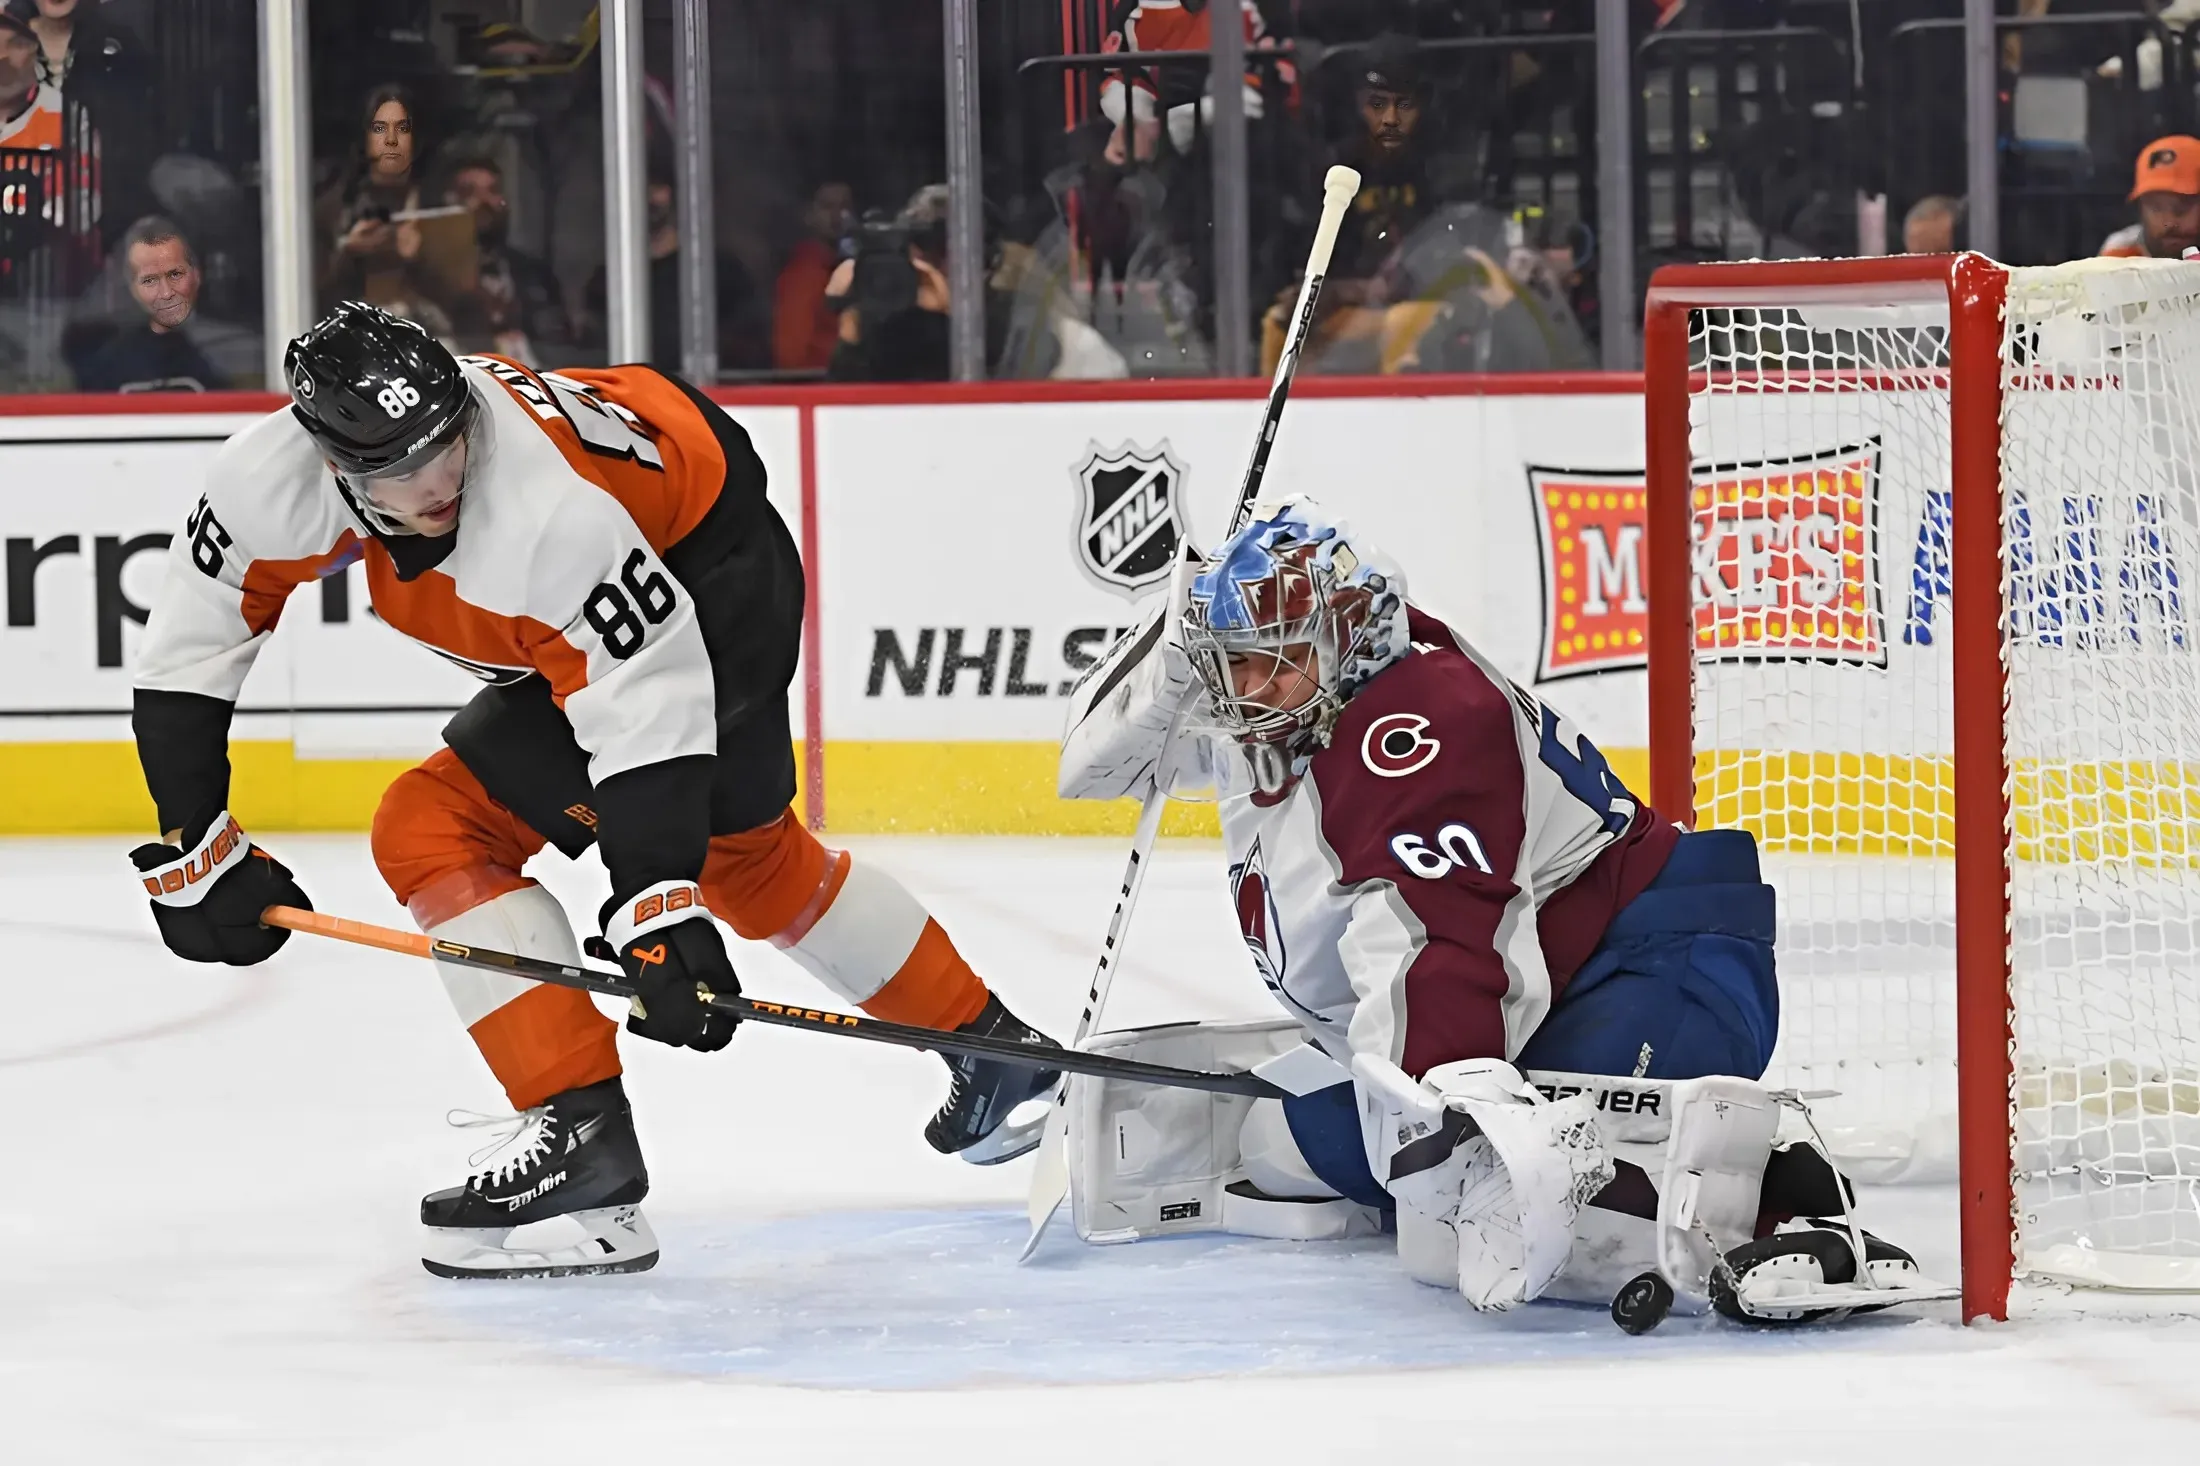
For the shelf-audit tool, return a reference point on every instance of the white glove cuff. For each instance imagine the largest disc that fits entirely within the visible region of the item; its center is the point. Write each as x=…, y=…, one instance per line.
x=185, y=880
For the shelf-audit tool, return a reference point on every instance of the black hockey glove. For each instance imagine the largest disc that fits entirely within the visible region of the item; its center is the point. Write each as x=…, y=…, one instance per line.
x=663, y=937
x=207, y=898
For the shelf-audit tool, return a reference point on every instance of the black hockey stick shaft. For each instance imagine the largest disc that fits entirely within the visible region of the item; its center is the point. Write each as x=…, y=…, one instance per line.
x=779, y=1015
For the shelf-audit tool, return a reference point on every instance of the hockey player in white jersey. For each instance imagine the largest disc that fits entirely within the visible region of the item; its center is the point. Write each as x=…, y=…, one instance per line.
x=599, y=549
x=1444, y=884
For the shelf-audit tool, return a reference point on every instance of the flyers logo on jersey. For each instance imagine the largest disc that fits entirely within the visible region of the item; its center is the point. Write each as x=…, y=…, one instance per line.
x=1397, y=744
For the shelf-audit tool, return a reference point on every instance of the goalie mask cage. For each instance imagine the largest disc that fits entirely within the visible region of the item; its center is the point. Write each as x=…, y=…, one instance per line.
x=1924, y=549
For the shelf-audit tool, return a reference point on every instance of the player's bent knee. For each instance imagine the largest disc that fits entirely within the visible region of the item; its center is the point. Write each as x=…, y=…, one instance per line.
x=1150, y=1162
x=442, y=845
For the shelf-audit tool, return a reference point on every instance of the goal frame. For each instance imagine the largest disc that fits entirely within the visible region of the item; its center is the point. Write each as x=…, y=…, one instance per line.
x=1973, y=289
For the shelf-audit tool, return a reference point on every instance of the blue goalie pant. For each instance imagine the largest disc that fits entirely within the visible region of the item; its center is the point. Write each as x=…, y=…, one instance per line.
x=1681, y=986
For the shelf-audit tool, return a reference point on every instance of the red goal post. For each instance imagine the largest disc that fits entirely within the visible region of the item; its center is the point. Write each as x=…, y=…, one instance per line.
x=1763, y=354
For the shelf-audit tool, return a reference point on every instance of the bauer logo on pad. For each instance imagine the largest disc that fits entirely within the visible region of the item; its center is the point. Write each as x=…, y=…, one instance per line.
x=1129, y=514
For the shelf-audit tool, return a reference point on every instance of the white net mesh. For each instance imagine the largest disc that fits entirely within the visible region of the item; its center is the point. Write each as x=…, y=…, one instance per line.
x=1824, y=722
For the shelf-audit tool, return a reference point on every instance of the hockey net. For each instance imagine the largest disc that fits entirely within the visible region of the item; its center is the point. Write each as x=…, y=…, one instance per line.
x=1978, y=797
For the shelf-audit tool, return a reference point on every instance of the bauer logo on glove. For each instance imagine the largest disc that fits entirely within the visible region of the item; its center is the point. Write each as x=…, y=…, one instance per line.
x=207, y=898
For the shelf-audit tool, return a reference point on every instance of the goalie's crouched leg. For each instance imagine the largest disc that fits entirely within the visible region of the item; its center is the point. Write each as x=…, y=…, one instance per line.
x=1151, y=1162
x=1683, y=984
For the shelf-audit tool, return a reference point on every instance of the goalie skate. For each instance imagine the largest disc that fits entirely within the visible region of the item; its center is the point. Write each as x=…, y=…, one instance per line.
x=1808, y=1274
x=562, y=1196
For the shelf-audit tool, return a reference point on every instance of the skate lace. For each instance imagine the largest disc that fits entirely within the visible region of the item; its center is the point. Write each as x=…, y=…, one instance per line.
x=527, y=1133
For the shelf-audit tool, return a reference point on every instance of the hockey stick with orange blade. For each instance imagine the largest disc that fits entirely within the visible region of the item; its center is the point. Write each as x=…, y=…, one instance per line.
x=756, y=1010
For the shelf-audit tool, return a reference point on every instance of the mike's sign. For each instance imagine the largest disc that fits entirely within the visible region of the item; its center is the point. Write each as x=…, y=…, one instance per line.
x=1784, y=557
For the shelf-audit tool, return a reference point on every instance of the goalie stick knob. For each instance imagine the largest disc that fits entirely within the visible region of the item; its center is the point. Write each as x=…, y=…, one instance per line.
x=1643, y=1304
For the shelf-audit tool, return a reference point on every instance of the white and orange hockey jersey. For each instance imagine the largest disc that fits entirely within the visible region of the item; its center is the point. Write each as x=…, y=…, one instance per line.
x=577, y=485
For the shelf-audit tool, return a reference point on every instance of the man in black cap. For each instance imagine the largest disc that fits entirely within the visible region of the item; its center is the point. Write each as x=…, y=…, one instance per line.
x=1369, y=321
x=1391, y=155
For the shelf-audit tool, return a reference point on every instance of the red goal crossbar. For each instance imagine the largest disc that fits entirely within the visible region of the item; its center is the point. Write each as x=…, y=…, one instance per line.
x=1971, y=286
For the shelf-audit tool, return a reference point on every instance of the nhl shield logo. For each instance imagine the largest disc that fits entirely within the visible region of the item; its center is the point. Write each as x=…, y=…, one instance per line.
x=1129, y=524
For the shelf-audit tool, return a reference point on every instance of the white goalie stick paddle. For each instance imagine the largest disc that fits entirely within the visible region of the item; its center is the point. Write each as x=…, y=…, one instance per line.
x=1050, y=1172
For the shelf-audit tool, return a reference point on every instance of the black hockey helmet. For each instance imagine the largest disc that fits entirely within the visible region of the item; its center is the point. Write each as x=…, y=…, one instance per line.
x=378, y=393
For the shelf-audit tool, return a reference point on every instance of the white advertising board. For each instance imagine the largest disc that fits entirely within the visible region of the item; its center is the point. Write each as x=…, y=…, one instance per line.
x=86, y=509
x=972, y=567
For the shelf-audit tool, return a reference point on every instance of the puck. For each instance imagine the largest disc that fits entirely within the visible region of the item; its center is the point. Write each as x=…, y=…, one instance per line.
x=1643, y=1304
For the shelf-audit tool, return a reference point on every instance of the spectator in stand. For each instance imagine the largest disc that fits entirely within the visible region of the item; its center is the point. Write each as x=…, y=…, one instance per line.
x=93, y=75
x=1390, y=151
x=24, y=123
x=371, y=240
x=1931, y=226
x=157, y=354
x=30, y=157
x=893, y=296
x=1140, y=99
x=805, y=325
x=2166, y=187
x=515, y=308
x=740, y=337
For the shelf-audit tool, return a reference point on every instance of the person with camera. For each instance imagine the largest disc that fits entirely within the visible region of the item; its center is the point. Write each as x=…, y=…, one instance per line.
x=893, y=296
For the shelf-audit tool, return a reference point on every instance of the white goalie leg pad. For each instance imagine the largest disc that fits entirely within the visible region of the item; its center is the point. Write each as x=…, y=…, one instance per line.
x=1151, y=1162
x=528, y=921
x=1709, y=1194
x=1475, y=1147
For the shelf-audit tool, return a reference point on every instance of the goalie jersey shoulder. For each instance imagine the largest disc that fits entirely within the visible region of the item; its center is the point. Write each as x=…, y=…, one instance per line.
x=1434, y=741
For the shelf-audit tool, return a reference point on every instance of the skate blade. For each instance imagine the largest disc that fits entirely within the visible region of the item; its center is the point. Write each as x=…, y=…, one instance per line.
x=612, y=1239
x=1783, y=1298
x=1013, y=1137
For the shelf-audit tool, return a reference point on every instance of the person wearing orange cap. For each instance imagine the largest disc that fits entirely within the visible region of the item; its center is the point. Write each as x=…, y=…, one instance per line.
x=2166, y=187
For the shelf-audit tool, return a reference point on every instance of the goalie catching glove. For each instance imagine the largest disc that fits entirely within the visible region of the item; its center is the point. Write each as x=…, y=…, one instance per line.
x=1488, y=1174
x=207, y=896
x=664, y=940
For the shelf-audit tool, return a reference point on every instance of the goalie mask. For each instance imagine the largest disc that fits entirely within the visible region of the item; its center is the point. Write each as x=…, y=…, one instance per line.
x=1286, y=620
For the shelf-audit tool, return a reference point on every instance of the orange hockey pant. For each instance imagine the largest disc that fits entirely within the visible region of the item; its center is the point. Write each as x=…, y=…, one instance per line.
x=446, y=847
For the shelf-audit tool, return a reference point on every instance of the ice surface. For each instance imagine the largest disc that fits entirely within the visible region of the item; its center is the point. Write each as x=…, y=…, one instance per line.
x=209, y=1244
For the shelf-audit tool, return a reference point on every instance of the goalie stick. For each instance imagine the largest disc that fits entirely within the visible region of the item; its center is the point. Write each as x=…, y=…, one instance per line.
x=1050, y=1171
x=757, y=1010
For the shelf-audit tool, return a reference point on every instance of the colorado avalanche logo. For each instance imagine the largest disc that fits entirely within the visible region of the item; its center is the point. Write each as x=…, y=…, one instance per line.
x=1397, y=744
x=1258, y=918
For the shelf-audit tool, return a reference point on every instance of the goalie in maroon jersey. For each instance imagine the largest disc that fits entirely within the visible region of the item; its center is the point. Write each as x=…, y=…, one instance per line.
x=1444, y=884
